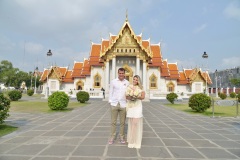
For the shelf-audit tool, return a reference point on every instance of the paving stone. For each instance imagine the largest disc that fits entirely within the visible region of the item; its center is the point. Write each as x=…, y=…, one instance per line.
x=54, y=133
x=58, y=150
x=154, y=152
x=212, y=136
x=121, y=151
x=151, y=142
x=175, y=142
x=95, y=141
x=6, y=147
x=10, y=157
x=89, y=151
x=50, y=158
x=179, y=152
x=236, y=152
x=68, y=141
x=228, y=144
x=76, y=133
x=202, y=143
x=162, y=129
x=216, y=153
x=32, y=149
x=167, y=135
x=190, y=136
x=84, y=158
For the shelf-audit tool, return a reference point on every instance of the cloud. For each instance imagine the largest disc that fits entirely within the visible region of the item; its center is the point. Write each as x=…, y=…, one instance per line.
x=232, y=10
x=200, y=28
x=231, y=62
x=184, y=64
x=33, y=48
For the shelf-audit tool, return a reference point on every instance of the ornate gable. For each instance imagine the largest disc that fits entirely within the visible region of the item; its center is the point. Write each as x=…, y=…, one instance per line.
x=126, y=43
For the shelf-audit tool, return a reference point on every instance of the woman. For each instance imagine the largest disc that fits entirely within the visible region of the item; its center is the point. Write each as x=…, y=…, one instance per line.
x=134, y=95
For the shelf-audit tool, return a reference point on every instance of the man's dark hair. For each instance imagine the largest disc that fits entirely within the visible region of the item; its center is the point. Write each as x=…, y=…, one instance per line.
x=121, y=69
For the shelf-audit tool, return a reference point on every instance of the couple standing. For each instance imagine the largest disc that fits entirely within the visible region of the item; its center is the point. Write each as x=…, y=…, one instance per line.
x=119, y=101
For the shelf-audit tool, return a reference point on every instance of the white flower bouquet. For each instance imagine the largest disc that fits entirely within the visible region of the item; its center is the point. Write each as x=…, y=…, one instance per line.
x=134, y=92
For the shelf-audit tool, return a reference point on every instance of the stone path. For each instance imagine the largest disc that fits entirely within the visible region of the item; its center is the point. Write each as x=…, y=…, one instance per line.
x=82, y=134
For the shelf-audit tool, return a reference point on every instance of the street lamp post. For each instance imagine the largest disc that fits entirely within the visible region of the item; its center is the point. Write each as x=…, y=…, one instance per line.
x=35, y=87
x=49, y=54
x=205, y=56
x=216, y=79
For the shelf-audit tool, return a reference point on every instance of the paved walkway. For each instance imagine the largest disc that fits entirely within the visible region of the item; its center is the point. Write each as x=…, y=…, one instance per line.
x=82, y=134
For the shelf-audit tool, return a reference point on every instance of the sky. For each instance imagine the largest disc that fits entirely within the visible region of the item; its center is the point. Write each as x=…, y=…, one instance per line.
x=185, y=28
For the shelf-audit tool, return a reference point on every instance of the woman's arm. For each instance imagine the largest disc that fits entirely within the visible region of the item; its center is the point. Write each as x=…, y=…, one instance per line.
x=142, y=95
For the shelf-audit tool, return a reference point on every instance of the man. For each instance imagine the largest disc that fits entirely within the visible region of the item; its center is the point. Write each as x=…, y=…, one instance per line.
x=118, y=102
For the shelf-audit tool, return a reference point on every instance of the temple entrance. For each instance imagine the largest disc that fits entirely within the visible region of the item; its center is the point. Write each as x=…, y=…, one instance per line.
x=79, y=85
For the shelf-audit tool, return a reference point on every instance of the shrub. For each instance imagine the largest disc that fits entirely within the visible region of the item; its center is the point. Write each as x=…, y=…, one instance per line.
x=171, y=97
x=82, y=96
x=222, y=95
x=30, y=92
x=15, y=95
x=199, y=102
x=4, y=107
x=58, y=101
x=232, y=95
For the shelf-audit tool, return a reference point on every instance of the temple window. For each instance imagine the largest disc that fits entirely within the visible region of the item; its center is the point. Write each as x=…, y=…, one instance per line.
x=170, y=87
x=97, y=81
x=153, y=81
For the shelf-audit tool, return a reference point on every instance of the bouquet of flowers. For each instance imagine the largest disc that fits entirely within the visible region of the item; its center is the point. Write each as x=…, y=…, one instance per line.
x=134, y=92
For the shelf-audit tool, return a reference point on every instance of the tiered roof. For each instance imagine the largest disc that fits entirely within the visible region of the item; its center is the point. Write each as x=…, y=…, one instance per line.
x=152, y=51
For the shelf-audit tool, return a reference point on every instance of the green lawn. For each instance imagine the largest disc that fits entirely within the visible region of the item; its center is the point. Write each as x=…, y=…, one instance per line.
x=39, y=106
x=5, y=129
x=223, y=111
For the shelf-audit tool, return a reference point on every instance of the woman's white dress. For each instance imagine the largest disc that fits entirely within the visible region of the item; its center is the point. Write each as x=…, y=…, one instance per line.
x=135, y=124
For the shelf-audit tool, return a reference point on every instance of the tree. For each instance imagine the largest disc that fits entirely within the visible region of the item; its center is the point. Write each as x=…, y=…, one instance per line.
x=7, y=74
x=235, y=82
x=11, y=76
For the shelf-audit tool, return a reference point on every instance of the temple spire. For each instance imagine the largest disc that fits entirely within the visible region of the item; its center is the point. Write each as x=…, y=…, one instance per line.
x=126, y=15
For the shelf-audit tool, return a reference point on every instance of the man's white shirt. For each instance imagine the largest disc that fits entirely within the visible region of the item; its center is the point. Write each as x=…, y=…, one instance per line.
x=117, y=92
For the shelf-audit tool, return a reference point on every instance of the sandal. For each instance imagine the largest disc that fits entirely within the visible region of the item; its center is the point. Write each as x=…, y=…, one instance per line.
x=111, y=142
x=122, y=141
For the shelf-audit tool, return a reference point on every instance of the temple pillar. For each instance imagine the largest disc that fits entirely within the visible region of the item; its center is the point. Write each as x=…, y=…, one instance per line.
x=137, y=65
x=114, y=67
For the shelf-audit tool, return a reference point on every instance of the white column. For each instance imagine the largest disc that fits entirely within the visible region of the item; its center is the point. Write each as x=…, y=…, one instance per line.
x=107, y=76
x=137, y=65
x=227, y=91
x=144, y=78
x=234, y=88
x=113, y=67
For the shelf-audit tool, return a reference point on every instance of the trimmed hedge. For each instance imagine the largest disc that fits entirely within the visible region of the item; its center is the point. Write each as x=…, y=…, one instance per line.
x=15, y=95
x=30, y=92
x=199, y=102
x=4, y=107
x=222, y=95
x=232, y=95
x=82, y=96
x=171, y=97
x=58, y=101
